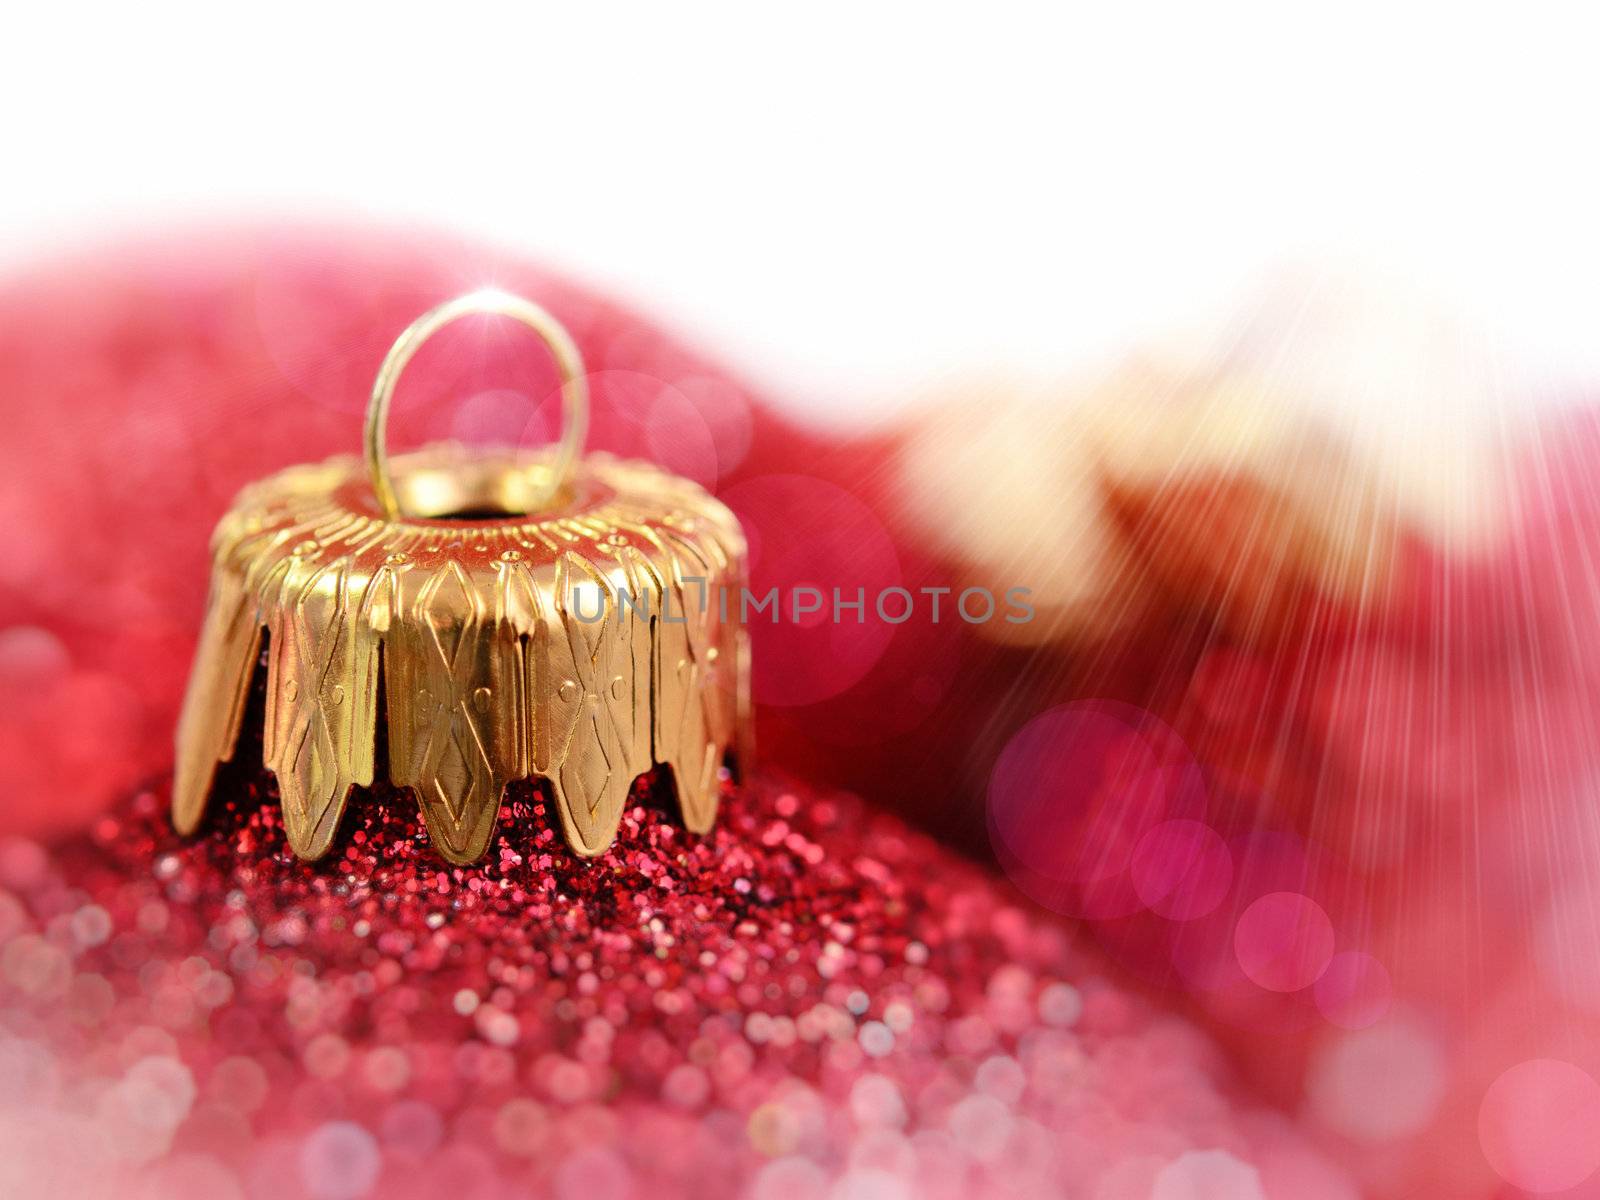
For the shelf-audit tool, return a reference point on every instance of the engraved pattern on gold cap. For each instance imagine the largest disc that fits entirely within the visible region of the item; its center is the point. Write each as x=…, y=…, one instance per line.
x=582, y=644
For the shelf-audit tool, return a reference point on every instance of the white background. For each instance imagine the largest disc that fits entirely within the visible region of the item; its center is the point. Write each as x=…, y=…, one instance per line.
x=856, y=203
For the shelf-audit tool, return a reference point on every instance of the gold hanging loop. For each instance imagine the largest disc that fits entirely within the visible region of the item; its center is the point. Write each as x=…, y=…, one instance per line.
x=545, y=480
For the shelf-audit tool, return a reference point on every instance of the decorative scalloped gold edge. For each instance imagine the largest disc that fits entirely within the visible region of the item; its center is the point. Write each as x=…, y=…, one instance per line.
x=483, y=686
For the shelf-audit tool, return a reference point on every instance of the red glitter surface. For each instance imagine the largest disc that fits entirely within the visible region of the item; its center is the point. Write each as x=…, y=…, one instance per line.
x=810, y=1000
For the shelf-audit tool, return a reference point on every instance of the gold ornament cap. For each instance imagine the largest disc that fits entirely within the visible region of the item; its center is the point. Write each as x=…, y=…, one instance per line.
x=570, y=618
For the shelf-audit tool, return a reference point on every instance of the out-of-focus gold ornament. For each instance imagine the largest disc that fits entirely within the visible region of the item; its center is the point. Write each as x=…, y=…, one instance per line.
x=570, y=618
x=1150, y=488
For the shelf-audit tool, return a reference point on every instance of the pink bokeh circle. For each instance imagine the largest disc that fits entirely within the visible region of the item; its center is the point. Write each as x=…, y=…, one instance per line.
x=1539, y=1125
x=1072, y=799
x=1181, y=869
x=806, y=532
x=1355, y=991
x=634, y=414
x=1284, y=941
